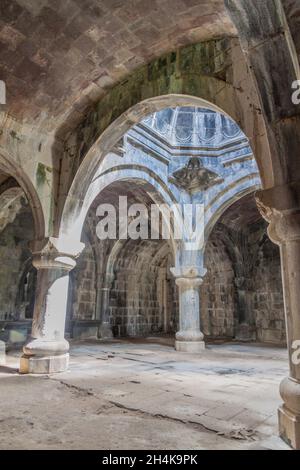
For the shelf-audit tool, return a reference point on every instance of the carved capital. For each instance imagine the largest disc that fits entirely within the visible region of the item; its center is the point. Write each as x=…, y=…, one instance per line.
x=189, y=282
x=188, y=272
x=55, y=253
x=280, y=207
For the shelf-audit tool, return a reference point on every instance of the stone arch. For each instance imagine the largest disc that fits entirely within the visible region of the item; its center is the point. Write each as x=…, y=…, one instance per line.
x=26, y=289
x=160, y=193
x=10, y=204
x=134, y=301
x=16, y=232
x=169, y=81
x=9, y=166
x=250, y=285
x=109, y=270
x=111, y=260
x=107, y=188
x=225, y=204
x=22, y=221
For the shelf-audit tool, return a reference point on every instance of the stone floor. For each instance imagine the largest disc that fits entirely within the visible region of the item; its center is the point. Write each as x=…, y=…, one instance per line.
x=144, y=395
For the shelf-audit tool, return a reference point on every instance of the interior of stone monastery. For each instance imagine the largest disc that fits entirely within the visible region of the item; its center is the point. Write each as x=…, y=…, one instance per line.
x=150, y=224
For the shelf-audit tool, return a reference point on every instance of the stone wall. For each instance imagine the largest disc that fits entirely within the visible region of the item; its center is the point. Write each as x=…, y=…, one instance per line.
x=267, y=300
x=241, y=296
x=141, y=291
x=17, y=276
x=217, y=293
x=83, y=286
x=134, y=306
x=142, y=296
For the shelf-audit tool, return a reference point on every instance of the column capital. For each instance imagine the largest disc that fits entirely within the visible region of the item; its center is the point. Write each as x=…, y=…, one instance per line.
x=55, y=253
x=280, y=207
x=188, y=282
x=188, y=272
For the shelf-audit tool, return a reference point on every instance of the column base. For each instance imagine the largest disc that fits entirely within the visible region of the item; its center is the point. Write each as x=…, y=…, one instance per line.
x=105, y=331
x=44, y=365
x=289, y=427
x=190, y=346
x=2, y=352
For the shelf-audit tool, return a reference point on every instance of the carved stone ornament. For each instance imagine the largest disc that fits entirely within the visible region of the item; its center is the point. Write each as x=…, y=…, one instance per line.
x=55, y=253
x=194, y=176
x=279, y=206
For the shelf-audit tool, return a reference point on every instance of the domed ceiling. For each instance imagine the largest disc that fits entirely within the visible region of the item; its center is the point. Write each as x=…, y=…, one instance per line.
x=194, y=127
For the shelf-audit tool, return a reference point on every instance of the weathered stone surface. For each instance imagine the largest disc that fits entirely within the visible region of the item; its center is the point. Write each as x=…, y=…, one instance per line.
x=230, y=389
x=17, y=275
x=242, y=288
x=43, y=365
x=78, y=76
x=50, y=46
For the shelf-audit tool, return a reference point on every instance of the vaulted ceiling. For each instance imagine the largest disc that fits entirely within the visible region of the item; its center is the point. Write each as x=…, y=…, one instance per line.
x=56, y=55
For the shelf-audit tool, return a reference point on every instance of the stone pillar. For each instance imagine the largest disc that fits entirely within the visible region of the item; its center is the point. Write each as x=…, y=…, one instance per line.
x=280, y=207
x=102, y=307
x=47, y=349
x=105, y=331
x=189, y=338
x=245, y=330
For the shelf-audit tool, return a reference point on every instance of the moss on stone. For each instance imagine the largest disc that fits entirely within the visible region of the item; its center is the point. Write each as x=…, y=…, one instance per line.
x=42, y=174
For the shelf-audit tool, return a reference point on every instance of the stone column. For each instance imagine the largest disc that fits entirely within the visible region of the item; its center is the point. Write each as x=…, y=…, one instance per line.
x=280, y=207
x=102, y=308
x=105, y=331
x=189, y=338
x=47, y=349
x=245, y=330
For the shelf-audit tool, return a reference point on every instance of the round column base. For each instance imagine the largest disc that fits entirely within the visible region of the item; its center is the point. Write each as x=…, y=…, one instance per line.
x=190, y=346
x=44, y=365
x=2, y=352
x=289, y=427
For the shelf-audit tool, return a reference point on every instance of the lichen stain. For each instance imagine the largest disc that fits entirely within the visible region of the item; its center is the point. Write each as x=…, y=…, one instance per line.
x=43, y=173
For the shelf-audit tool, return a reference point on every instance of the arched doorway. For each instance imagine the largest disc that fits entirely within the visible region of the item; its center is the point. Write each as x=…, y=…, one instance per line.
x=242, y=291
x=181, y=155
x=18, y=277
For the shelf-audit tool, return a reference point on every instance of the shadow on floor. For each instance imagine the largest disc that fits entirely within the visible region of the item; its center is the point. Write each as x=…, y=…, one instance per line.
x=8, y=369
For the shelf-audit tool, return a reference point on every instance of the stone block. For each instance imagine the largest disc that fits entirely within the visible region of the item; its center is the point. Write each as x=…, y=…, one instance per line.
x=43, y=365
x=82, y=331
x=190, y=346
x=289, y=427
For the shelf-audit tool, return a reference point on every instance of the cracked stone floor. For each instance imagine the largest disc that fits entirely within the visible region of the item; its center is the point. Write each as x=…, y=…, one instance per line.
x=141, y=394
